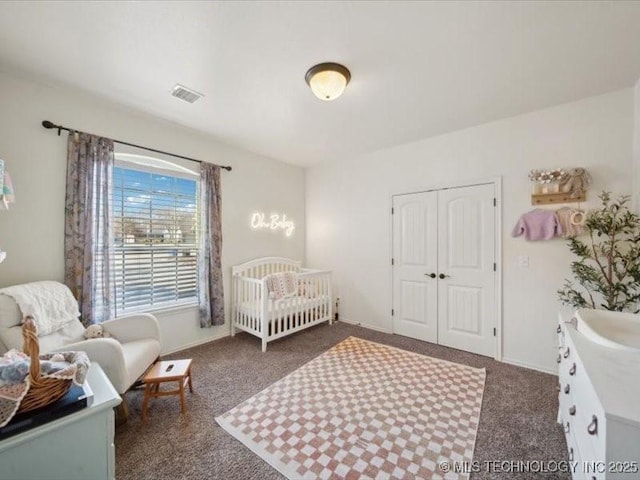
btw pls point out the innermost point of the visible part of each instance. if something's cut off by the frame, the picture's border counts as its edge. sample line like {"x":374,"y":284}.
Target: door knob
{"x":443,"y":276}
{"x":432,"y":275}
{"x":593,"y":426}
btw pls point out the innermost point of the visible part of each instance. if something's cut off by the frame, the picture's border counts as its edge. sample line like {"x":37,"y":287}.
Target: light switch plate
{"x":523,"y":261}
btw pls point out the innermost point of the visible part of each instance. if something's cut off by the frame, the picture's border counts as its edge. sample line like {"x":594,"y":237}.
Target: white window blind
{"x":156,"y":241}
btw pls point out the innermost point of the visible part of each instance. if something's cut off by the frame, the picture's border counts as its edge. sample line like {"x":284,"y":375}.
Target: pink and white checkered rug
{"x":364,"y":410}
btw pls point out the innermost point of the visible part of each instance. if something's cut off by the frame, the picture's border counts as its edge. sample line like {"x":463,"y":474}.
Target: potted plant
{"x":607,"y":271}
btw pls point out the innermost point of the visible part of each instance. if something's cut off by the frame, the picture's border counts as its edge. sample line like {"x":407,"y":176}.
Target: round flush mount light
{"x":328,"y":80}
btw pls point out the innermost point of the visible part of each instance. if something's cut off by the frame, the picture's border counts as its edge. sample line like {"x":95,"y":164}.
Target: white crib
{"x":254,"y":312}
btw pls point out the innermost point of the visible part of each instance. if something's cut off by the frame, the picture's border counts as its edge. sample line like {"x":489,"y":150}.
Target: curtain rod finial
{"x":47,"y":124}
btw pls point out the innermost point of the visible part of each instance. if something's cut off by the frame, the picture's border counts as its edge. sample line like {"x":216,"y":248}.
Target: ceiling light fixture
{"x":327,"y":80}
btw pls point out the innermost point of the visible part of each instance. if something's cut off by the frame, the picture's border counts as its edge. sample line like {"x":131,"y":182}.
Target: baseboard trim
{"x":197,"y":343}
{"x":365,"y":325}
{"x":538,"y":368}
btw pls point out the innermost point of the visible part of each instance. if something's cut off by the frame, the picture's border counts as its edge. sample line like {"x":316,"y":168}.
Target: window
{"x":155,"y":237}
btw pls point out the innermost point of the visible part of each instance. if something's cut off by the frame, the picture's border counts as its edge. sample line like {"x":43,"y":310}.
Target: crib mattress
{"x":285,"y":306}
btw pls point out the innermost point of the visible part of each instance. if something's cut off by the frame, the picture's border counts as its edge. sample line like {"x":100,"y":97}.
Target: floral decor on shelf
{"x":546,"y":181}
{"x":566,"y":180}
{"x":546,"y":176}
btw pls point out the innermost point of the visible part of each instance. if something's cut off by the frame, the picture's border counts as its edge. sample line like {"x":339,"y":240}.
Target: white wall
{"x":636,"y":147}
{"x":32,"y":230}
{"x":348,"y":209}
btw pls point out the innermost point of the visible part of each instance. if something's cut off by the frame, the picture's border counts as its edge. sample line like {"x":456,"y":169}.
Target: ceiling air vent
{"x":186,"y":94}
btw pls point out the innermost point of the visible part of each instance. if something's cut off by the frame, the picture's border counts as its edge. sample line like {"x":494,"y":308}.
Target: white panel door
{"x":415,"y":266}
{"x":467,"y":310}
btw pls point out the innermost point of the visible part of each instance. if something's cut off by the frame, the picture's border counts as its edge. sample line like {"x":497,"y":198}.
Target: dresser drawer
{"x":590,"y":419}
{"x":588,"y":415}
{"x":573,"y":452}
{"x":561,"y":335}
{"x":586,"y":466}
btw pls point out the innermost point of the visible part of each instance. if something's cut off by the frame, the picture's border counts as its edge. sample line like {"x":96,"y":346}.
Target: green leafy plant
{"x":608,"y":267}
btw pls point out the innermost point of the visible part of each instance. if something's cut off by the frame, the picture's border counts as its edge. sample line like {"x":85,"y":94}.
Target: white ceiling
{"x":418,"y":69}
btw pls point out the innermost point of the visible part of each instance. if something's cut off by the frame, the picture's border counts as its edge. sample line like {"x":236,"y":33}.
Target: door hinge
{"x":392,"y":211}
{"x":392,"y":312}
{"x":495,"y":202}
{"x":495,"y":268}
{"x":393,"y":261}
{"x":495,"y":333}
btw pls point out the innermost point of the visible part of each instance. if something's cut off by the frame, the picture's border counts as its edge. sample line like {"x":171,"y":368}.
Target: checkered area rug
{"x":364,"y":410}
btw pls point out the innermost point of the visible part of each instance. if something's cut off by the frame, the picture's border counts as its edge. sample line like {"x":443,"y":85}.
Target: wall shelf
{"x":550,"y":198}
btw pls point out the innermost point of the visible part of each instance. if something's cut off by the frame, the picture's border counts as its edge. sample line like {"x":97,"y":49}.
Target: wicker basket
{"x":43,"y":390}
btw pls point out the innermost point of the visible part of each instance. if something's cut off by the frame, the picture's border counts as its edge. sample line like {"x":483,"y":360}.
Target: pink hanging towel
{"x":538,"y":224}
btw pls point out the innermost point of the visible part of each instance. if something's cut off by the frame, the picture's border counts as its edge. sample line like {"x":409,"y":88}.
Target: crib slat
{"x":294,"y":312}
{"x":257,"y":299}
{"x":249,"y":308}
{"x":254,"y":306}
{"x":281,"y":320}
{"x":324,"y":296}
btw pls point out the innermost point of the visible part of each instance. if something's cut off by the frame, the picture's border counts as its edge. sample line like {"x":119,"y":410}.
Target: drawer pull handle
{"x":559,"y":329}
{"x":571,"y":454}
{"x":566,"y":389}
{"x":566,"y":353}
{"x":572,"y":410}
{"x":559,"y":359}
{"x":572,"y":370}
{"x":593,"y":426}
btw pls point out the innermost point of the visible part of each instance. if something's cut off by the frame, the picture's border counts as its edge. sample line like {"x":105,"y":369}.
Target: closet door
{"x":467,"y":304}
{"x":415,"y":259}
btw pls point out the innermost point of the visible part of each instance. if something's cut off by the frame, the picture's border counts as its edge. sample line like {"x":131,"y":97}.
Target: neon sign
{"x":276,"y":221}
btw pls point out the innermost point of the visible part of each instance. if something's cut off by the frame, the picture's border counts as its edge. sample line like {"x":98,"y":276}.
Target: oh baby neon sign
{"x":276,"y":221}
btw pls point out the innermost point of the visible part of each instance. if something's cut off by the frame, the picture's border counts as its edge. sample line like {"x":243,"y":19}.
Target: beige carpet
{"x":364,"y":410}
{"x":518,"y":420}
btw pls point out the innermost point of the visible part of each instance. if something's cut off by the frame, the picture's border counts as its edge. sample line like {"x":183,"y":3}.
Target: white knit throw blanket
{"x":51,"y":304}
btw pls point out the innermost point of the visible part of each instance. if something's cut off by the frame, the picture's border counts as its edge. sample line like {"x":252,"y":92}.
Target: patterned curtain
{"x":210,"y":292}
{"x":88,"y":236}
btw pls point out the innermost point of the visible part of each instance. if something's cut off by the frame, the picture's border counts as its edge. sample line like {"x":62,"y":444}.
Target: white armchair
{"x":133,"y":347}
{"x":124,"y":357}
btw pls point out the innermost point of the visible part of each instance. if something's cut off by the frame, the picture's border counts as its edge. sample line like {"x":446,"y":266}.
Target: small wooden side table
{"x":167,"y":371}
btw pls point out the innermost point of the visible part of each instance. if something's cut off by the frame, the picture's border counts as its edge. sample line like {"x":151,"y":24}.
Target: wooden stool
{"x":167,"y":371}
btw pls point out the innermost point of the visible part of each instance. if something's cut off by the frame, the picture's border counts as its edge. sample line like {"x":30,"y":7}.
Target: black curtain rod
{"x":50,"y":125}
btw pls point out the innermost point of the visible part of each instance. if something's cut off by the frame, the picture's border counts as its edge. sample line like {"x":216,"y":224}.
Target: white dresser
{"x":599,"y":406}
{"x":78,"y":446}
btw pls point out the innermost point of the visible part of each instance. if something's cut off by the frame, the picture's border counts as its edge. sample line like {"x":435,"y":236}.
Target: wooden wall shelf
{"x":550,"y":198}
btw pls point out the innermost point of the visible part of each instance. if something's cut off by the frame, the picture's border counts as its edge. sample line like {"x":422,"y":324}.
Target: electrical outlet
{"x":523,"y":261}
